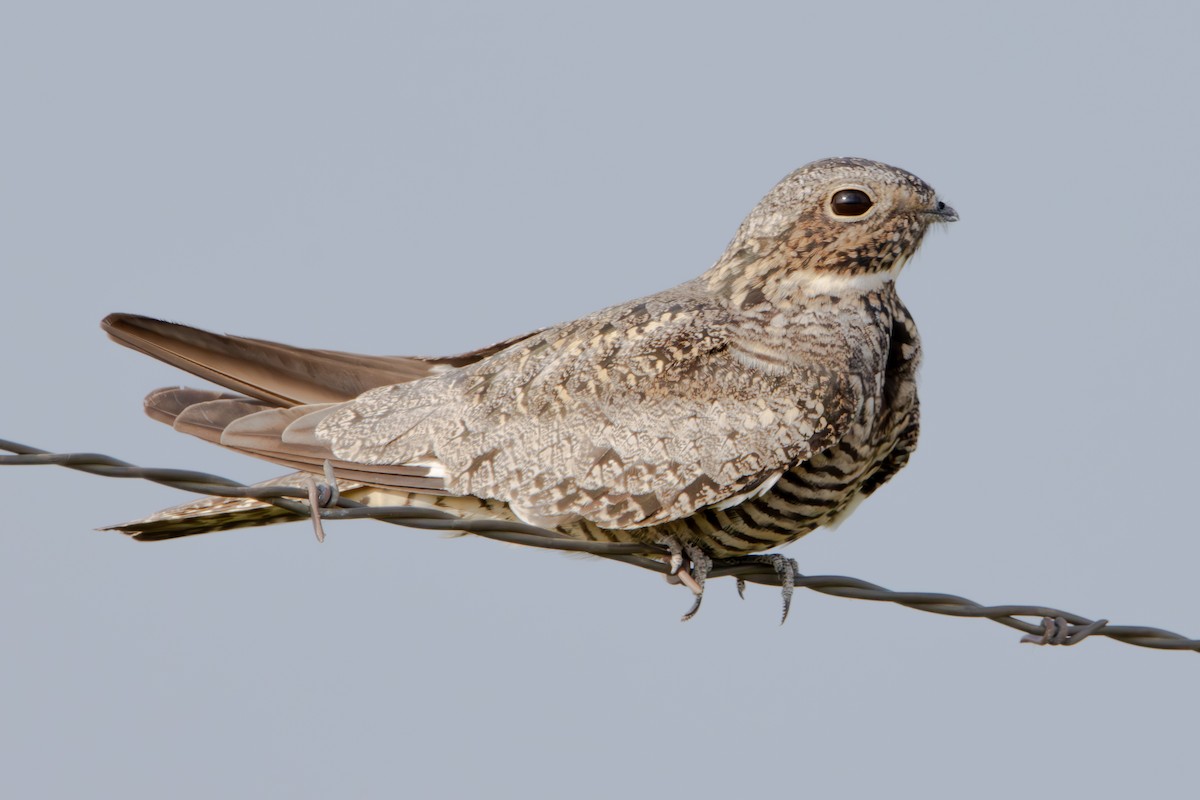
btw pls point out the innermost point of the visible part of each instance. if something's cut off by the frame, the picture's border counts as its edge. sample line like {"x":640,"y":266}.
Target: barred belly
{"x":817,"y":492}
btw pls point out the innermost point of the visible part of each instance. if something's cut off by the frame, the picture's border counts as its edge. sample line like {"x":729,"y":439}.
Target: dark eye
{"x":851,"y":203}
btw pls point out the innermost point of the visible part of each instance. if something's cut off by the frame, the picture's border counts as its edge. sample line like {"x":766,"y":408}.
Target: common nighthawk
{"x":721,"y":418}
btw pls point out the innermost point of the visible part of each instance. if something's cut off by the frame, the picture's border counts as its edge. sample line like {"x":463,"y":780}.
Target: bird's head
{"x":832,"y":226}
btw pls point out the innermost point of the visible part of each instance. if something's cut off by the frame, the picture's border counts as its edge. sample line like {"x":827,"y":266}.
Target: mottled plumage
{"x":730,"y":414}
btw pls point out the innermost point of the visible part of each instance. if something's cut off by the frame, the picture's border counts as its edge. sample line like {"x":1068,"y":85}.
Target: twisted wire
{"x":1053,"y":626}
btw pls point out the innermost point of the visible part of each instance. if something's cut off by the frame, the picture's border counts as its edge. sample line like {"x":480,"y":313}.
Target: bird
{"x":716,"y":420}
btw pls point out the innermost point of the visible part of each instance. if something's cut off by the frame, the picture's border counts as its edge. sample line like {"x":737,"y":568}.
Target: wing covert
{"x":629,"y":417}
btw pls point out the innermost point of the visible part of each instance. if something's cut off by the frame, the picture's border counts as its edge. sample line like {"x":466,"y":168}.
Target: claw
{"x":785,"y":567}
{"x":693,"y":577}
{"x":691,"y":612}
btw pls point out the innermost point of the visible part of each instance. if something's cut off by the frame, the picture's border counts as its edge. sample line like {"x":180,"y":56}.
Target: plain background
{"x":427,"y":178}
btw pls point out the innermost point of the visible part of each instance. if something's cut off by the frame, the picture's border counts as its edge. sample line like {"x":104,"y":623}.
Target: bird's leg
{"x":786,"y":568}
{"x":675,"y":561}
{"x":701,"y":565}
{"x":693,"y":577}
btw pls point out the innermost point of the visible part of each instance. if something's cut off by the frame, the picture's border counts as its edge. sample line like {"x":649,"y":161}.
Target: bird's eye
{"x":851,"y":203}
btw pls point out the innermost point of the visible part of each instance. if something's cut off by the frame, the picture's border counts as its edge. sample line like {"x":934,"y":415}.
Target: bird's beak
{"x":943,"y":213}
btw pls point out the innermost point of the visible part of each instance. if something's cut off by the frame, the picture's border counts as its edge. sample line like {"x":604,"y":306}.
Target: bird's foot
{"x":700,"y":564}
{"x":786,"y":568}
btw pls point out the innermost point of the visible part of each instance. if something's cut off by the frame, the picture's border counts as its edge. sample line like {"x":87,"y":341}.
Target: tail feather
{"x":212,"y":514}
{"x":279,"y":374}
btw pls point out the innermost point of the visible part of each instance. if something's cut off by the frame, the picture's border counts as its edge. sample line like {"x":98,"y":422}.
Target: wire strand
{"x":1052,"y":626}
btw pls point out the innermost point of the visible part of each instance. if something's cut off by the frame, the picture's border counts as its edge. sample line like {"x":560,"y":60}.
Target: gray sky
{"x":389,"y":177}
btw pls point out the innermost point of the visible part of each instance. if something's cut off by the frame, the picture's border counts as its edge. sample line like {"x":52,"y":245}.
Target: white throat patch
{"x":835,"y":283}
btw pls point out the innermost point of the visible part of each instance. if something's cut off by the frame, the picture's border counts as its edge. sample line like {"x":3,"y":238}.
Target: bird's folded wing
{"x":630,"y":417}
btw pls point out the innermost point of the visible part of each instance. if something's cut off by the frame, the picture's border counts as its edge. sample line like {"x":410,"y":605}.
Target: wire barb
{"x":1054,"y":627}
{"x":1058,"y":631}
{"x":322,"y":495}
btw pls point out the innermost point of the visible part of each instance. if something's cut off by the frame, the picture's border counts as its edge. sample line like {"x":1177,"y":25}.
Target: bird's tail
{"x":274,"y":373}
{"x":212,"y":514}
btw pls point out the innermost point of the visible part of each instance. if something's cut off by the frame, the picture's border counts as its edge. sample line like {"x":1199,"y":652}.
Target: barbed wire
{"x":322,"y":502}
